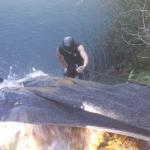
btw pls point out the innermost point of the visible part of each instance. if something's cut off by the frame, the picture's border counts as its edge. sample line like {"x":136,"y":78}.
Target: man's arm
{"x":61,"y":60}
{"x":84,"y":55}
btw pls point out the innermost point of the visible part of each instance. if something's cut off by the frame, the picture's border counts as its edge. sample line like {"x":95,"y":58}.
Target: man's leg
{"x":71,"y":73}
{"x":80,"y":76}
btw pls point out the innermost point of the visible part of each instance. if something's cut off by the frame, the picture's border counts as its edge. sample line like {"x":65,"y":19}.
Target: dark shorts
{"x":72,"y":73}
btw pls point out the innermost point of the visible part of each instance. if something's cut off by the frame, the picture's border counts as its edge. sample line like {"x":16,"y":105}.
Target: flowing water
{"x":18,"y":136}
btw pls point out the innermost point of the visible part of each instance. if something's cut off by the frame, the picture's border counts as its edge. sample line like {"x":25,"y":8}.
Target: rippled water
{"x":30,"y":31}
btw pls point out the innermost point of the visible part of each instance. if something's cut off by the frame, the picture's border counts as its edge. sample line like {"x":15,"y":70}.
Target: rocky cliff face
{"x":122,"y":108}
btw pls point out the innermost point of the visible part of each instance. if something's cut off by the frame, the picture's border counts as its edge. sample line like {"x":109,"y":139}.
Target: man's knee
{"x":69,"y":74}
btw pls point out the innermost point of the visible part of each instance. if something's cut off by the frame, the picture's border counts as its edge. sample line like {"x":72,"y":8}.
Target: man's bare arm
{"x":84,"y":55}
{"x":61,"y":60}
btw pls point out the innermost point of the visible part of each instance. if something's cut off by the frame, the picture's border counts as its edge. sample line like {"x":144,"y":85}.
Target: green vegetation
{"x":140,"y":76}
{"x":129,"y":38}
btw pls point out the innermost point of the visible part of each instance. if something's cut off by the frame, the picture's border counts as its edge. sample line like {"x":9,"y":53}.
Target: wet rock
{"x":122,"y":108}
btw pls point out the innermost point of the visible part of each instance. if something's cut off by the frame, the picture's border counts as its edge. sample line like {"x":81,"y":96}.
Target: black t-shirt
{"x":73,"y":58}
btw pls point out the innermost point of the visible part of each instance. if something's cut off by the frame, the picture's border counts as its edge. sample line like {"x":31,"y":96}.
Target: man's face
{"x":71,"y":50}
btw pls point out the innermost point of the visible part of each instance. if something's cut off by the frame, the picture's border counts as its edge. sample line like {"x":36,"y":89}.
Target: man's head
{"x":68,"y":44}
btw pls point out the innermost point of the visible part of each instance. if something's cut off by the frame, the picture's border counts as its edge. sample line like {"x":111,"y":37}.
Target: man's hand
{"x":65,"y":70}
{"x":80,"y":69}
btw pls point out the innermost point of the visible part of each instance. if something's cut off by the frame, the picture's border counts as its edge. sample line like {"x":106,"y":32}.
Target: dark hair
{"x":68,"y":44}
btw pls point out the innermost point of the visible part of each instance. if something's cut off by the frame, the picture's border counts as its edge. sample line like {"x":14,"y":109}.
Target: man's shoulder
{"x":60,"y":49}
{"x":77,"y":44}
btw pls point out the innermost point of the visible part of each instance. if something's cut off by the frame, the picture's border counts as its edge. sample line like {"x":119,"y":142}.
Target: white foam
{"x":35,"y":73}
{"x":13,"y":82}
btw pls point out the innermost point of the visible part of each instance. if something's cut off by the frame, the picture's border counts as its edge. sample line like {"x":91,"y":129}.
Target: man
{"x":73,"y":54}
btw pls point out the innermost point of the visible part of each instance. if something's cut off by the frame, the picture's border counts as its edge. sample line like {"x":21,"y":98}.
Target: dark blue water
{"x":30,"y":32}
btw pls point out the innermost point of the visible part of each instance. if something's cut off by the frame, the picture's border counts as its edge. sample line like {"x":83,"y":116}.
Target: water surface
{"x":30,"y":32}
